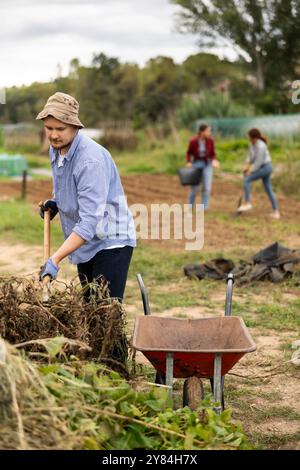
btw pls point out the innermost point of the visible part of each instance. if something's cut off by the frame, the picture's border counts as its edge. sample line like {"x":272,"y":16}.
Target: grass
{"x":154,"y":156}
{"x":158,"y":276}
{"x":285,"y":412}
{"x":38,"y":161}
{"x":19,"y":223}
{"x":274,"y":441}
{"x":279,"y":316}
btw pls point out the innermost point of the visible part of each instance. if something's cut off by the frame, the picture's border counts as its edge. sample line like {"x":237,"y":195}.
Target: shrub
{"x":210,"y":105}
{"x":1,"y":138}
{"x":119,"y":139}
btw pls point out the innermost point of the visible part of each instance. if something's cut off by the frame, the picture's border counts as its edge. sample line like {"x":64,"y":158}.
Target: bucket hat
{"x":63,"y":107}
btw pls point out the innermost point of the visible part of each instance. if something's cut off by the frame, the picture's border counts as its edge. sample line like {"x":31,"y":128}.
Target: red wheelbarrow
{"x":192,"y":349}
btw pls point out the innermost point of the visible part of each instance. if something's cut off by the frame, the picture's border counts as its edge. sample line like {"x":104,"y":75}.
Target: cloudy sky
{"x":37,"y":35}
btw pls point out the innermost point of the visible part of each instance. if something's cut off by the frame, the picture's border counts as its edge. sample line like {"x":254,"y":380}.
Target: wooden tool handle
{"x":46,"y":235}
{"x":46,"y":279}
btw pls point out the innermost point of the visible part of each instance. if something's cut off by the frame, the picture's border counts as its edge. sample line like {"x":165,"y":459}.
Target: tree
{"x":97,"y":90}
{"x":161,"y":88}
{"x":127,"y":89}
{"x":204,"y":71}
{"x":264,"y":33}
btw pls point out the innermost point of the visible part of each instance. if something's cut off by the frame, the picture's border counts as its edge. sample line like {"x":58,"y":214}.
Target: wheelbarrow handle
{"x":230,"y":282}
{"x":144,"y":294}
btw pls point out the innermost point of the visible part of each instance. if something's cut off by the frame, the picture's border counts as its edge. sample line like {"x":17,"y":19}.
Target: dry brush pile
{"x":99,"y":323}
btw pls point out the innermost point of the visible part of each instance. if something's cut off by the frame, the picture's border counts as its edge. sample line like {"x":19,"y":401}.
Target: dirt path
{"x":22,"y":261}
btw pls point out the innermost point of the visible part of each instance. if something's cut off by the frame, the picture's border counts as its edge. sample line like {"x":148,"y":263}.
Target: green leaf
{"x":189,"y":439}
{"x":91,"y":444}
{"x":87,"y":425}
{"x":54,"y":346}
{"x":229,"y":437}
{"x":237,"y":442}
{"x":226,"y":415}
{"x":49,"y":369}
{"x":203,"y":434}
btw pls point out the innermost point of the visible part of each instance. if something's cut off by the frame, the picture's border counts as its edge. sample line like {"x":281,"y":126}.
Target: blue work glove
{"x":49,"y":205}
{"x":49,"y":269}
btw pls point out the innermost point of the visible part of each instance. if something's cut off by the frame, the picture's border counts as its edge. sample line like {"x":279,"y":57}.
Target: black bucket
{"x":190,"y":176}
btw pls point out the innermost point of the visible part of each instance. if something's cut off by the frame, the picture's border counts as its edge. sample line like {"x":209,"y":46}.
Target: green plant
{"x":85,"y":406}
{"x":210,"y":105}
{"x":287,"y":178}
{"x":175,"y":161}
{"x":1,"y":138}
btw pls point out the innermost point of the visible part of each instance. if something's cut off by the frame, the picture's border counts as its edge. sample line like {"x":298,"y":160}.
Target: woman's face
{"x":252,"y":139}
{"x":206,"y":134}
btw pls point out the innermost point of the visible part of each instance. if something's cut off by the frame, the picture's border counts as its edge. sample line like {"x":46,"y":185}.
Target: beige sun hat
{"x":62,"y":107}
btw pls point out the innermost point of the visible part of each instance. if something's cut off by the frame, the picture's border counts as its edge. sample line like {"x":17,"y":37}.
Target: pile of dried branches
{"x":99,"y":323}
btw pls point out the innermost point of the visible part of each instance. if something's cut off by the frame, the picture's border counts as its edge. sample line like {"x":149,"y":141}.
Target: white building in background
{"x":95,"y":134}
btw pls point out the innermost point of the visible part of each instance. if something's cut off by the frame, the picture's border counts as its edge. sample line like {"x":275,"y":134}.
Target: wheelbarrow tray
{"x":193,"y":343}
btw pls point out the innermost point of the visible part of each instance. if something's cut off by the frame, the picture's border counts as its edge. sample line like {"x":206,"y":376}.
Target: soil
{"x":219,"y":234}
{"x":21,"y":260}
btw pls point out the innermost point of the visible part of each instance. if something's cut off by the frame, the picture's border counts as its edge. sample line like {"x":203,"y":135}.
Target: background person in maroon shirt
{"x":201,"y":154}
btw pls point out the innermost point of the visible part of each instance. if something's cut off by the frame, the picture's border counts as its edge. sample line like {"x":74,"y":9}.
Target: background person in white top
{"x":258,"y":167}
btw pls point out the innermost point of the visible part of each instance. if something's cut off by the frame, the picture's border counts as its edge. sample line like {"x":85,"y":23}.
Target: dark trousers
{"x":113,"y":265}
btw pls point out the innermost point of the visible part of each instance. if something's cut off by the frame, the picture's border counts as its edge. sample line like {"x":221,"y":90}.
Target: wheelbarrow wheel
{"x":193,"y":392}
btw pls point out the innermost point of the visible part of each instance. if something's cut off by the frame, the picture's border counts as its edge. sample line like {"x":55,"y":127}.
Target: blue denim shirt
{"x":90,"y":198}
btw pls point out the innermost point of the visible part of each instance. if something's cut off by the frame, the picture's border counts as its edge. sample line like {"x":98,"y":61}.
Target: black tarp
{"x":273,"y":263}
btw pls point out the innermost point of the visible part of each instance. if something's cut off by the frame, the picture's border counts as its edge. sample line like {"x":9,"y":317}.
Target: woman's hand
{"x":216,"y":163}
{"x":247,"y":170}
{"x":189,"y":165}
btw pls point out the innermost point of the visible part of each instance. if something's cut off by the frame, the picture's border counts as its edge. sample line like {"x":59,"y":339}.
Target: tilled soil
{"x":222,"y":230}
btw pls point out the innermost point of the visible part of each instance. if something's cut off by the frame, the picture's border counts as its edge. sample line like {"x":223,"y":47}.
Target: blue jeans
{"x":205,"y":183}
{"x":264,"y":173}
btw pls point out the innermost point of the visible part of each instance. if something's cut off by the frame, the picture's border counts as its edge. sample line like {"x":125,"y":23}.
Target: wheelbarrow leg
{"x":218,"y":382}
{"x":212,"y":390}
{"x":223,"y":399}
{"x":228,"y":305}
{"x":170,"y":373}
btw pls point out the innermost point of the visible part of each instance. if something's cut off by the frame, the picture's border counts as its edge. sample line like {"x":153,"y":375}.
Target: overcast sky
{"x":37,"y":35}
